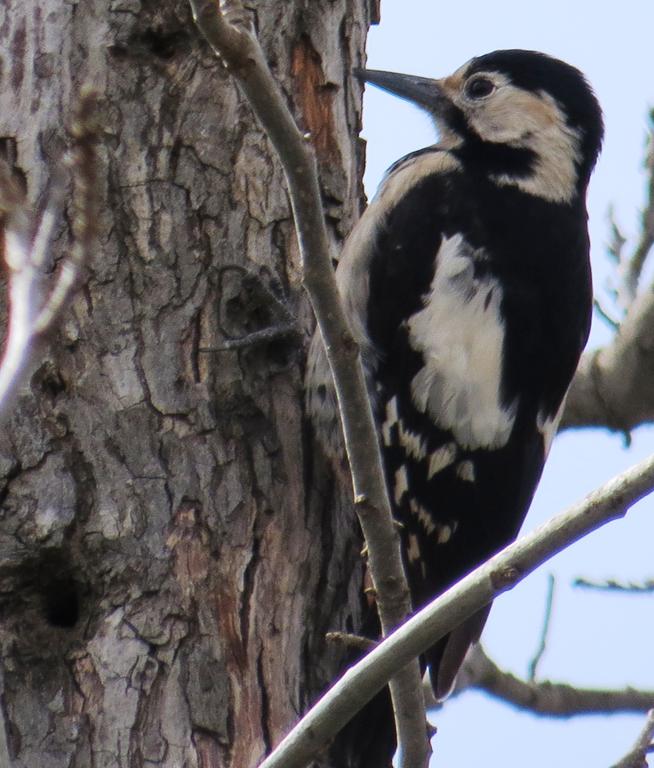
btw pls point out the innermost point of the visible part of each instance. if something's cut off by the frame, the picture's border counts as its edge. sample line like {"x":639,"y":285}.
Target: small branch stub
{"x":505,"y":578}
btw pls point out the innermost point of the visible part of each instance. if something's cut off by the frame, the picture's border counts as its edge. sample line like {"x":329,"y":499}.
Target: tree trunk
{"x":171,"y":553}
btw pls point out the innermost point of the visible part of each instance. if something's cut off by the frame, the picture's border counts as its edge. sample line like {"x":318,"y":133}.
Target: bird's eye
{"x":478,"y":87}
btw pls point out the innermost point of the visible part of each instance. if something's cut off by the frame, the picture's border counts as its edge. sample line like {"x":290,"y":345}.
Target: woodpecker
{"x":467,"y":285}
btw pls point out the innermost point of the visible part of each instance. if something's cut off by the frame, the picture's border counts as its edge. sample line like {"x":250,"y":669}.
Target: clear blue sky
{"x":595,"y":639}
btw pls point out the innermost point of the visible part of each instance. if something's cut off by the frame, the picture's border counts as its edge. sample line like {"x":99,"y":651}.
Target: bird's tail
{"x":368,"y":740}
{"x":446,"y":656}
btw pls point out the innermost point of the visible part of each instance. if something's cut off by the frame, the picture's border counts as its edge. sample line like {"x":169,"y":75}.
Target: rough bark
{"x":170,"y":553}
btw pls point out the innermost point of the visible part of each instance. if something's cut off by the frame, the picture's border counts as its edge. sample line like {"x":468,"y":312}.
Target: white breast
{"x":460,"y":334}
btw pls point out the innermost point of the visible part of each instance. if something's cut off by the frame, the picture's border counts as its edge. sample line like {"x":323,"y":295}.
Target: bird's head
{"x":521,"y":117}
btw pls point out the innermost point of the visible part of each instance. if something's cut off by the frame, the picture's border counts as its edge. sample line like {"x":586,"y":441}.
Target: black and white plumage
{"x":468,"y":287}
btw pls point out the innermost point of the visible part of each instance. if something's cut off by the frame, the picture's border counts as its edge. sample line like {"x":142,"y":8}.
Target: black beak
{"x":422,"y":91}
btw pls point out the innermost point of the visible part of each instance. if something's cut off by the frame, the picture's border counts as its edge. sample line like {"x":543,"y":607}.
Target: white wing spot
{"x":460,"y":333}
{"x":423,"y":516}
{"x":414,"y":555}
{"x":401,"y":484}
{"x":390,"y":420}
{"x":465,"y":470}
{"x":413,"y":550}
{"x":444,"y":534}
{"x":441,"y":458}
{"x":411,"y":442}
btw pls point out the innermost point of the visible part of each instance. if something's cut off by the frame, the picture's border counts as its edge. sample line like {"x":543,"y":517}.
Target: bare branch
{"x":637,"y":262}
{"x":614,"y":586}
{"x":502,"y":572}
{"x":605,"y":315}
{"x":226,"y":29}
{"x":637,"y":758}
{"x":617,"y":241}
{"x":546,"y":698}
{"x":542,"y":646}
{"x":26,"y":246}
{"x":613,"y":385}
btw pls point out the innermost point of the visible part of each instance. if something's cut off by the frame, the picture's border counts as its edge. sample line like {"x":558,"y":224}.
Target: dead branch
{"x":502,"y":572}
{"x":34,"y":308}
{"x":228,"y":32}
{"x":546,"y":698}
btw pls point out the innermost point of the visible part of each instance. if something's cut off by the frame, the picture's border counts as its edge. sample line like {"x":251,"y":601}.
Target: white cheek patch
{"x":533,"y":121}
{"x":460,"y":333}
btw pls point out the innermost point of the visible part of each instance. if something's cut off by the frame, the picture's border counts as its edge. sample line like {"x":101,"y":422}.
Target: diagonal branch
{"x":613,"y":385}
{"x":546,"y":698}
{"x":228,"y":33}
{"x":637,"y":757}
{"x":502,"y":572}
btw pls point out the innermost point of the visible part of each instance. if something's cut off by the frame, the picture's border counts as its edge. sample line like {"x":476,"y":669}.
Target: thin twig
{"x":542,"y":646}
{"x":546,"y":698}
{"x":610,"y":585}
{"x":347,"y":640}
{"x":239,"y":49}
{"x":255,"y":338}
{"x":637,"y":757}
{"x":635,"y":266}
{"x":605,"y":315}
{"x":618,"y":240}
{"x":502,"y":572}
{"x":32,"y":310}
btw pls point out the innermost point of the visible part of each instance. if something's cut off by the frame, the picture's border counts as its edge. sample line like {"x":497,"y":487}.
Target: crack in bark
{"x":265,"y":704}
{"x":249,"y":583}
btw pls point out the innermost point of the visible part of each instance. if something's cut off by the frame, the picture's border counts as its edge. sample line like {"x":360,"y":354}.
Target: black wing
{"x":476,"y":343}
